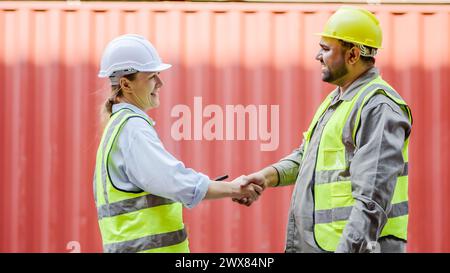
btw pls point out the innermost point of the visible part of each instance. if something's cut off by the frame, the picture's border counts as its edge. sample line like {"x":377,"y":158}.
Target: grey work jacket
{"x":379,"y":140}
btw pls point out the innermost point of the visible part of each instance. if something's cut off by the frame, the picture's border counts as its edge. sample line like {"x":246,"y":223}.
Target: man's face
{"x":146,"y":88}
{"x":332,"y":57}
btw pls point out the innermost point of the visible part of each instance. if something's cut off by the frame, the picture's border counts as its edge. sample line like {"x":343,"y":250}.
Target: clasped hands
{"x":248,"y":188}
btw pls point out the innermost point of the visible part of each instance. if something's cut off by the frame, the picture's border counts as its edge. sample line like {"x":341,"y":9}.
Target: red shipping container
{"x":251,"y":54}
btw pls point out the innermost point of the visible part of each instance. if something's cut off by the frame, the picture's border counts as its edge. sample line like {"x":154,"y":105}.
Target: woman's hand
{"x":246,"y":188}
{"x":239,"y":188}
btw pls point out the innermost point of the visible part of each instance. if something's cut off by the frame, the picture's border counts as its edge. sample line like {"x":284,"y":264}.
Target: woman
{"x":139,"y":187}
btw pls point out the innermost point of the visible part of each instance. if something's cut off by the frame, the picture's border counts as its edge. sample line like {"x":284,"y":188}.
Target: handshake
{"x":245,"y":189}
{"x":248,"y":188}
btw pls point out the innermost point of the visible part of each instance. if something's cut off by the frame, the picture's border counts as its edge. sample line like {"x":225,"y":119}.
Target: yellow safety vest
{"x":333,"y":200}
{"x":133,"y":221}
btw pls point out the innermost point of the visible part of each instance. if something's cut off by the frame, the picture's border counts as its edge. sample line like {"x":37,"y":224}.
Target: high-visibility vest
{"x":333,"y":200}
{"x":133,"y":221}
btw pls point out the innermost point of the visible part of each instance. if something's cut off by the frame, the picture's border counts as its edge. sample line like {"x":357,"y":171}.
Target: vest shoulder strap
{"x":323,"y":106}
{"x":118,"y":121}
{"x":379,"y":86}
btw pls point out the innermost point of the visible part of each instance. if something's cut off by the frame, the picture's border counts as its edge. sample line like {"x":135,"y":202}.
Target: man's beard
{"x":332,"y":76}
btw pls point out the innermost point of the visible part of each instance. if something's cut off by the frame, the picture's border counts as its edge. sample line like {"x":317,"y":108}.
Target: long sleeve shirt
{"x":374,"y":167}
{"x":140,"y":162}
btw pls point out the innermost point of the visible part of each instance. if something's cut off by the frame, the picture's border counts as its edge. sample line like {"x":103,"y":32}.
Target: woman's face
{"x":145,"y":88}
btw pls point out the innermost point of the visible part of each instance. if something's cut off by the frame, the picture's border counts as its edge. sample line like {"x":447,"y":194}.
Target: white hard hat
{"x":128,"y":54}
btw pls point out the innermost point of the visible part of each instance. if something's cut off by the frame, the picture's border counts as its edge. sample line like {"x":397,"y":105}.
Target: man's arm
{"x":287,"y":168}
{"x":281,"y":173}
{"x":374,"y":170}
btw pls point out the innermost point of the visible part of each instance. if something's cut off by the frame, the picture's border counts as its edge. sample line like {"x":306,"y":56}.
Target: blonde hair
{"x":116,"y":94}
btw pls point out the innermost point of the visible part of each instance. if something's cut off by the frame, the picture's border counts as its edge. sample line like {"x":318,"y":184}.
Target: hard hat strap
{"x":367,"y":52}
{"x":116,"y":75}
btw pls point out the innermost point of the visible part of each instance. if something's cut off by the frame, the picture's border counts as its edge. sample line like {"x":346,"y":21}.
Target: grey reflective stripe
{"x":111,"y":128}
{"x":148,"y":242}
{"x":131,"y":205}
{"x":343,"y":213}
{"x":332,"y":215}
{"x":398,"y":209}
{"x":323,"y":177}
{"x":95,"y":185}
{"x":405,"y":170}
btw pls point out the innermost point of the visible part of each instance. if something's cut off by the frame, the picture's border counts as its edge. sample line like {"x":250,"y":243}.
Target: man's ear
{"x":353,"y":55}
{"x":125,"y":85}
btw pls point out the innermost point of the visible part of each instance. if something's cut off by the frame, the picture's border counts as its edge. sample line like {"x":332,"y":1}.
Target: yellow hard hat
{"x":355,"y":25}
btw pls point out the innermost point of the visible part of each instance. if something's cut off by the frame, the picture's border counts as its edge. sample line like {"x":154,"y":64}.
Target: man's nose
{"x":319,"y":56}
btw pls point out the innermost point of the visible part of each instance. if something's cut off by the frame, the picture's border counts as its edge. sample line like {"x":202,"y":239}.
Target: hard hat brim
{"x":347,"y":40}
{"x":159,"y":68}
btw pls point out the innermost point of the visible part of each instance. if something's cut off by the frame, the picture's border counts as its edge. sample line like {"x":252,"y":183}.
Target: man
{"x":351,"y":171}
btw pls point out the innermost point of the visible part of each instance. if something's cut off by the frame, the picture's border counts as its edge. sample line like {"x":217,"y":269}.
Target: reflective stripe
{"x":343,"y":213}
{"x":130,"y":205}
{"x":399,"y":209}
{"x":322,"y":177}
{"x":405,"y":169}
{"x":111,"y":128}
{"x":329,"y":176}
{"x":148,"y":242}
{"x":95,"y":187}
{"x":332,"y":215}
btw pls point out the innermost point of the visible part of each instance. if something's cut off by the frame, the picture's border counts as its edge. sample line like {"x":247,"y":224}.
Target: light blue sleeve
{"x":152,"y":168}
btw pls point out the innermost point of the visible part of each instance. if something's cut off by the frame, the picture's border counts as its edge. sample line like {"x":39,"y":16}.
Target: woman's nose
{"x":159,"y":82}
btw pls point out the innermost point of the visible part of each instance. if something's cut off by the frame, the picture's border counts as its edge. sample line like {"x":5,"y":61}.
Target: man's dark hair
{"x":367,"y":60}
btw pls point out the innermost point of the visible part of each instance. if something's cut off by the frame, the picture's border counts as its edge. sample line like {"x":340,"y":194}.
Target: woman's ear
{"x":125,"y":85}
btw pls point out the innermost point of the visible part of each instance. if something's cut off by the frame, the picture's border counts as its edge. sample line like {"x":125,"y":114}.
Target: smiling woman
{"x":142,"y":90}
{"x":133,"y":72}
{"x":139,"y":187}
{"x":146,"y":92}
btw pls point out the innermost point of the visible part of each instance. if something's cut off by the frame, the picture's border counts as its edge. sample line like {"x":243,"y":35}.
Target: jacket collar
{"x":353,"y":89}
{"x":122,"y":105}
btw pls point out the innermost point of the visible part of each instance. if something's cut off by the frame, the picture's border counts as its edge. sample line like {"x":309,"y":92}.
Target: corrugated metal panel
{"x":225,"y":54}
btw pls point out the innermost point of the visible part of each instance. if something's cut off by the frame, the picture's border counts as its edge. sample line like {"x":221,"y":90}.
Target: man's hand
{"x":267,"y":177}
{"x":238,"y":188}
{"x":243,"y":188}
{"x":255,"y":179}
